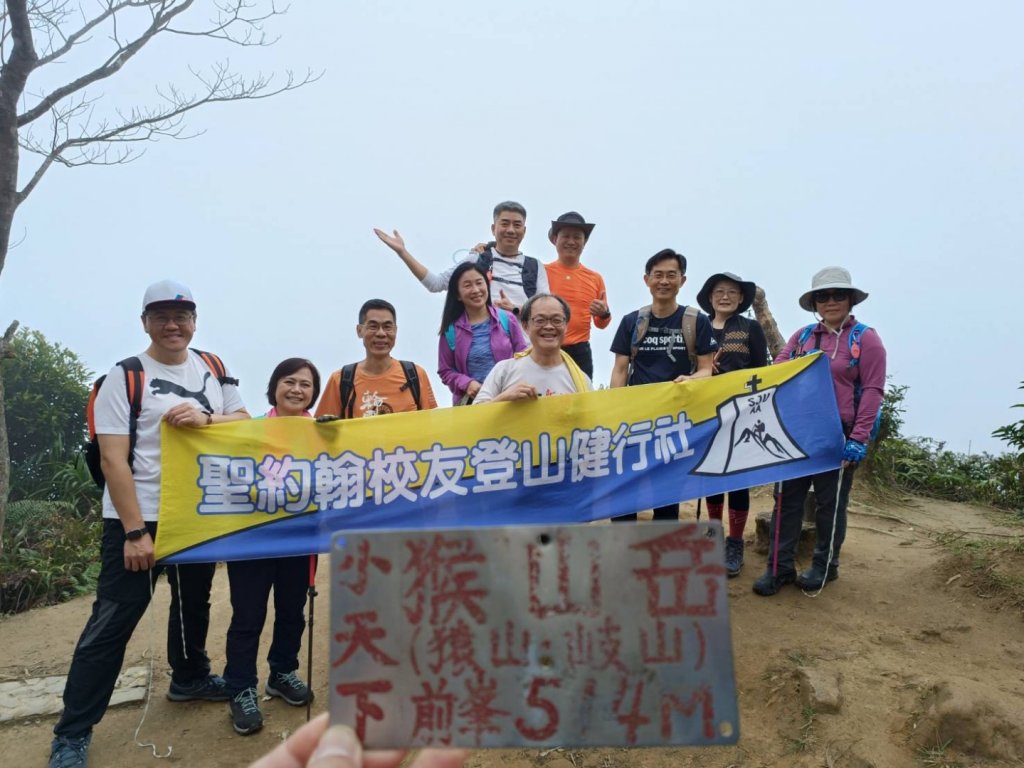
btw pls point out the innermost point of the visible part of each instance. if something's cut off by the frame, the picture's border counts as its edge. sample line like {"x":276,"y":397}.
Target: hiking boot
{"x":70,"y":752}
{"x":289,"y":687}
{"x":767,"y":584}
{"x":246,"y":717}
{"x":814,"y":579}
{"x":209,"y":688}
{"x":733,"y":556}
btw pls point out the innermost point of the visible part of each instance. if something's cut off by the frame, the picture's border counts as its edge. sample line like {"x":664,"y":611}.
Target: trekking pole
{"x":309,"y":635}
{"x":699,"y":500}
{"x":778,"y":525}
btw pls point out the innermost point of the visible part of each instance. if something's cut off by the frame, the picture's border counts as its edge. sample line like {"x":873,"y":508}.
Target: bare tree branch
{"x":69,"y":41}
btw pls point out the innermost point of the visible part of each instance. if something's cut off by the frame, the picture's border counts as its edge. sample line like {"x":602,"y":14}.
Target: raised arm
{"x":431,"y":281}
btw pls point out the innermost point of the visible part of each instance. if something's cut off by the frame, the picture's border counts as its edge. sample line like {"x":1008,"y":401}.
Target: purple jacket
{"x":870,"y":370}
{"x":451,"y":363}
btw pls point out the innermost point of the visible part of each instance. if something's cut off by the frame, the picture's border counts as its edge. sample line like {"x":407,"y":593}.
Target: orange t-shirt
{"x":578,"y":286}
{"x":387,"y":392}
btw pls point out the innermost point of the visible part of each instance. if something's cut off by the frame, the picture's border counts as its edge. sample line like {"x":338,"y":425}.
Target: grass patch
{"x":934,"y":756}
{"x":994,"y":568}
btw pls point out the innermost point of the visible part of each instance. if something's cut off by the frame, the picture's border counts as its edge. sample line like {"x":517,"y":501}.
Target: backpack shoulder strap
{"x":412,"y":378}
{"x":485,"y":259}
{"x":216,"y":366}
{"x":643,"y":321}
{"x":805,"y":334}
{"x":449,"y":335}
{"x":854,"y":341}
{"x":530,"y":268}
{"x":348,"y":389}
{"x":690,"y":335}
{"x":134,"y":387}
{"x":503,"y":319}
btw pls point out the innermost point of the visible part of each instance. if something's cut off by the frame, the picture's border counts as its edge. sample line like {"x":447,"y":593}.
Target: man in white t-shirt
{"x":180,"y":387}
{"x":543,"y":369}
{"x":515,"y":277}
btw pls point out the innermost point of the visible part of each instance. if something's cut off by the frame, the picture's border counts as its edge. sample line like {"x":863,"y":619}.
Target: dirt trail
{"x":918,"y":655}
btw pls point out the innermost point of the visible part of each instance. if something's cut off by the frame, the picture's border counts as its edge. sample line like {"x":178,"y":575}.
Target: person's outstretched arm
{"x":433,"y":282}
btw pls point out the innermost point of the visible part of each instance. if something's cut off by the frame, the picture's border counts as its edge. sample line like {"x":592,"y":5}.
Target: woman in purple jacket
{"x":474,"y":334}
{"x":857,"y":358}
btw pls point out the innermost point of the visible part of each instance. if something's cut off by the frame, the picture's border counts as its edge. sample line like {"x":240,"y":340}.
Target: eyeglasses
{"x":659,"y":275}
{"x":373,"y":326}
{"x":166,"y":318}
{"x":820,"y":297}
{"x":556,"y":321}
{"x":722,"y":293}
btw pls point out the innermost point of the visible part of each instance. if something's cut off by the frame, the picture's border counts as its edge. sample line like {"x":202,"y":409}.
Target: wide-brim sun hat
{"x":829,"y":278}
{"x":570,"y":219}
{"x":704,"y":296}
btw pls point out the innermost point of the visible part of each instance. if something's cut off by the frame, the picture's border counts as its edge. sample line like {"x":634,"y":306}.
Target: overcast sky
{"x":767,"y":139}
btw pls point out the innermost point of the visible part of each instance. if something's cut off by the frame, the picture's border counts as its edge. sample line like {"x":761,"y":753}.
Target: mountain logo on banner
{"x":750,"y":435}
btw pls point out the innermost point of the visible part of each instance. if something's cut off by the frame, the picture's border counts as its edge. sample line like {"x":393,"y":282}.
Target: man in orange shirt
{"x":582,"y":288}
{"x":377,"y":384}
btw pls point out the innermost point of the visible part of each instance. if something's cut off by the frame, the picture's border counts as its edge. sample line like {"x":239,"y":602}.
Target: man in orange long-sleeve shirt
{"x":582,"y":288}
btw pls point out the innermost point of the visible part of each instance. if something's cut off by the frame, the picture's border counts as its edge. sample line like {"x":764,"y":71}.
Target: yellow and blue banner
{"x":277,"y":487}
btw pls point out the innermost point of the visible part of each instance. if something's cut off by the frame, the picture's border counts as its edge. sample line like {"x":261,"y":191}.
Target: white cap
{"x":168,"y":291}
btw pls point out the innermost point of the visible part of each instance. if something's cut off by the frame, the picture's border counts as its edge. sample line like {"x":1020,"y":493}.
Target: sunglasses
{"x":820,"y":297}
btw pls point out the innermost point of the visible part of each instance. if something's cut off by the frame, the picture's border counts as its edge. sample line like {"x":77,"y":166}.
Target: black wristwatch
{"x":137,"y":534}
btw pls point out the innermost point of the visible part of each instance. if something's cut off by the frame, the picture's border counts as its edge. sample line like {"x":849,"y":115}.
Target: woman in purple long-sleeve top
{"x":474,"y":333}
{"x":857,"y":359}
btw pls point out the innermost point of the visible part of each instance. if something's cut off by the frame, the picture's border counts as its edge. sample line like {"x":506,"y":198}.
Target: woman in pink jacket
{"x":474,"y":333}
{"x":857,"y":358}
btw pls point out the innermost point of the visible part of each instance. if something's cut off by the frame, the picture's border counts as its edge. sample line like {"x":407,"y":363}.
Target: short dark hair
{"x":287,"y":368}
{"x":376,"y":304}
{"x":509,"y":205}
{"x":665,"y":253}
{"x":527,"y":308}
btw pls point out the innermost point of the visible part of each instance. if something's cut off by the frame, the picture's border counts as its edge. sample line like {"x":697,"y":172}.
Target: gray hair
{"x":527,"y":308}
{"x":509,"y":205}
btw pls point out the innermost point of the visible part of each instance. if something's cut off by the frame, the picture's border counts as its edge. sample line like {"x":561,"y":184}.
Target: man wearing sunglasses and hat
{"x":581,"y":287}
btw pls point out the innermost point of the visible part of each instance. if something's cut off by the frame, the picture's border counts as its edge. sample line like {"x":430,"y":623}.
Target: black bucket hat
{"x":570,"y":219}
{"x":704,"y":297}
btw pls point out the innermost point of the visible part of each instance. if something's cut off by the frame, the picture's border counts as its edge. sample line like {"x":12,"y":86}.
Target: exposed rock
{"x":42,"y":695}
{"x":819,"y":689}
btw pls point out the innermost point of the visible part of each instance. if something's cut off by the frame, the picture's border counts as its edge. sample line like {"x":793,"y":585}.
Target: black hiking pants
{"x":122,"y":597}
{"x":787,"y":533}
{"x":251,"y":582}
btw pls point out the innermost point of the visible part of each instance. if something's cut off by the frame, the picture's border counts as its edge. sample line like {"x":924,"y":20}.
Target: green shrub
{"x":50,"y":555}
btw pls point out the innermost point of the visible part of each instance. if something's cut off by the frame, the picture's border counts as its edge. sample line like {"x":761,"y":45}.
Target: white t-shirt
{"x":507,"y":373}
{"x":166,"y":386}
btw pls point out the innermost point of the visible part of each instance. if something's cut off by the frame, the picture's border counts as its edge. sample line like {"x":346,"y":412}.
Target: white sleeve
{"x":437,"y":282}
{"x":111,"y":407}
{"x":493,"y":385}
{"x":542,"y":279}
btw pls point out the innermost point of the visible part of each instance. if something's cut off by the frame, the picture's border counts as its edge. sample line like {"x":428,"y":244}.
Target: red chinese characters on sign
{"x":679,"y":582}
{"x":443,"y":571}
{"x":488,"y":648}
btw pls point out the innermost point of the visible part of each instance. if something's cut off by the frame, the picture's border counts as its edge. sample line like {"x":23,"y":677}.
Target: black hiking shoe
{"x":733,"y":556}
{"x":70,"y":752}
{"x":209,"y":688}
{"x":246,"y":717}
{"x":814,"y":579}
{"x":767,"y":584}
{"x":289,"y":687}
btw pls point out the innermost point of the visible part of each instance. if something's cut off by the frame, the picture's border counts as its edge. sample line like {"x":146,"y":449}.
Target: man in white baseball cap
{"x":168,"y":382}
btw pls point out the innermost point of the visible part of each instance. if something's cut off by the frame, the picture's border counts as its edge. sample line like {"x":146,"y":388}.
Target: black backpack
{"x":530,"y":266}
{"x":348,"y":386}
{"x":134,"y":385}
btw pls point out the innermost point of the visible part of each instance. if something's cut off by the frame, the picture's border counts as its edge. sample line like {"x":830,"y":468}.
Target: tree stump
{"x":805,"y":545}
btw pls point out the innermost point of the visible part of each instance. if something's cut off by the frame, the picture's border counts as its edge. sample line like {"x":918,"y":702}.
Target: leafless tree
{"x":70,"y":124}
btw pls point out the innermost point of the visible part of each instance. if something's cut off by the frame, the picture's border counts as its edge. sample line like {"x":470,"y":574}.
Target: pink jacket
{"x":870,"y":371}
{"x":451,"y":363}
